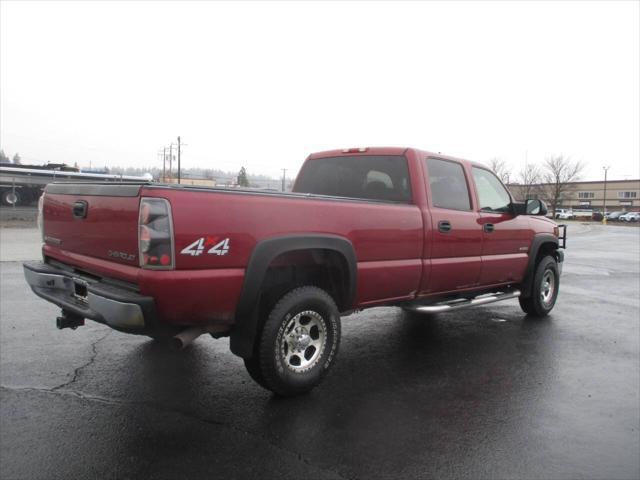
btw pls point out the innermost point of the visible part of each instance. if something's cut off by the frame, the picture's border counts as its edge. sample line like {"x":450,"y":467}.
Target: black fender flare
{"x":539,"y":240}
{"x":246,"y":317}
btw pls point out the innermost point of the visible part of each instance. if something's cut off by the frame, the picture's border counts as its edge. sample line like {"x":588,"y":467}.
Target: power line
{"x":164,"y":160}
{"x":171,"y":146}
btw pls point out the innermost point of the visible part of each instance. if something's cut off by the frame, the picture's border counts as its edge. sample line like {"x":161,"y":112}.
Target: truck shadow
{"x":415,"y":386}
{"x":403,"y":385}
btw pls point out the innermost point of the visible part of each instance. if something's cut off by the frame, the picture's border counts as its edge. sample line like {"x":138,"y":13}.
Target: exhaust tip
{"x":176,"y":344}
{"x":185,"y":338}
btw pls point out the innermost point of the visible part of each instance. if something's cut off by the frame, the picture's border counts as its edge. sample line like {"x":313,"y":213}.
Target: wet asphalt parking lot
{"x":484,"y":393}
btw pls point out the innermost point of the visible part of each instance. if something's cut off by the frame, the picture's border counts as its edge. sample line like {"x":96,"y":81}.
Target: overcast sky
{"x":264,"y":84}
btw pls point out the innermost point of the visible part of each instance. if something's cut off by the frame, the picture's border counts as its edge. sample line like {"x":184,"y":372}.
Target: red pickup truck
{"x":275,"y":271}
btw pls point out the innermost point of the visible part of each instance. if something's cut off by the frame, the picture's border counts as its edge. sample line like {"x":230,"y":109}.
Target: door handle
{"x":488,"y":227}
{"x":444,"y":226}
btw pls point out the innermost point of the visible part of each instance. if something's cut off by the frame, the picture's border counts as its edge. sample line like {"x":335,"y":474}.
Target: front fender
{"x":537,"y":244}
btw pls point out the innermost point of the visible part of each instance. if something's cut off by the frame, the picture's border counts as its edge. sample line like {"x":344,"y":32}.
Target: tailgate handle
{"x":80,"y":209}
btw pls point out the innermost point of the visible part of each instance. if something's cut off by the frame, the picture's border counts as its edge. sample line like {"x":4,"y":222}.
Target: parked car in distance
{"x":613,"y":216}
{"x":564,"y":214}
{"x":582,"y":214}
{"x":630,"y":217}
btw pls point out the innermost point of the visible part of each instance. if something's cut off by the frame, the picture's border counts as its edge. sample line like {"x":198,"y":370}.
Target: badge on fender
{"x":198,"y":247}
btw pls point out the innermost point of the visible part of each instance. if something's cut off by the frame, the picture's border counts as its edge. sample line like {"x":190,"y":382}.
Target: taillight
{"x":40,"y":218}
{"x":155,"y":234}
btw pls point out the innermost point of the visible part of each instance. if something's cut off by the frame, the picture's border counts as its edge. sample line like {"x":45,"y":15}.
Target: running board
{"x":457,"y":304}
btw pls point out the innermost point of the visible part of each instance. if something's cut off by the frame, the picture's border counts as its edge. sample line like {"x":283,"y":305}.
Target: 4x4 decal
{"x":199,"y":246}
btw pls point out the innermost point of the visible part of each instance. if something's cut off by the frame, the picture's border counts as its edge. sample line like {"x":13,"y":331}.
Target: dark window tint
{"x":370,"y":177}
{"x":448,"y":185}
{"x":491,"y":193}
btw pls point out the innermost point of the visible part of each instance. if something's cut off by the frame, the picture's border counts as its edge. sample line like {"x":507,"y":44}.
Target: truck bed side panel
{"x":387,"y":237}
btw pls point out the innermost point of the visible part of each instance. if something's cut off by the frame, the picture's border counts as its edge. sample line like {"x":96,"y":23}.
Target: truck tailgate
{"x":95,"y":220}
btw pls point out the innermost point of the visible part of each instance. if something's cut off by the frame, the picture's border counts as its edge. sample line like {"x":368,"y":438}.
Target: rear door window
{"x":448,"y":185}
{"x":371,"y":177}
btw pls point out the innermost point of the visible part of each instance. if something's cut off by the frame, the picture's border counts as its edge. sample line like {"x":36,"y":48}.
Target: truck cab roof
{"x":354,"y":151}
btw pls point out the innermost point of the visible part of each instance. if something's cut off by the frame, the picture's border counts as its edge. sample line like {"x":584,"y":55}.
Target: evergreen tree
{"x":243,"y":181}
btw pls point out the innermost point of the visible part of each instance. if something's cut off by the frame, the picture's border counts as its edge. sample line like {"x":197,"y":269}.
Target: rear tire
{"x":545,"y":288}
{"x":298,"y":342}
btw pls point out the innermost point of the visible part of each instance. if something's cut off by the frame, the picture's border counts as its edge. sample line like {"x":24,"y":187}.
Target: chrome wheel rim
{"x":303,"y":341}
{"x":548,"y":287}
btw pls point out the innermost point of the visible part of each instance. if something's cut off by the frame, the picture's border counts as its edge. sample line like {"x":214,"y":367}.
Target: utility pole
{"x":164,"y":165}
{"x":284,"y":177}
{"x":178,"y":158}
{"x":604,"y":201}
{"x":171,"y":160}
{"x":164,"y":157}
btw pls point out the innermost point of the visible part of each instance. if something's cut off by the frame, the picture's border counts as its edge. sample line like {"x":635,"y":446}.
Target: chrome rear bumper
{"x":115,"y":306}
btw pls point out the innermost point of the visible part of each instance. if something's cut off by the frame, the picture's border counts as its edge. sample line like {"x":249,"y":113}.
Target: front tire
{"x":298,"y":342}
{"x":545,"y":288}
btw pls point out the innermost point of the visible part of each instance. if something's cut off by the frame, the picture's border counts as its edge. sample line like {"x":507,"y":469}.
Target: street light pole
{"x":604,"y":201}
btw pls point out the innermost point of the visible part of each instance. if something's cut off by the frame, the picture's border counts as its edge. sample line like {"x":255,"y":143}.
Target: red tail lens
{"x":155,"y":234}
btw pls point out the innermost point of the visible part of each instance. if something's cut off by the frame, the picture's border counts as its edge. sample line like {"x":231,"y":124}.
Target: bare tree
{"x":500,"y":168}
{"x":529,"y":179}
{"x":559,"y":171}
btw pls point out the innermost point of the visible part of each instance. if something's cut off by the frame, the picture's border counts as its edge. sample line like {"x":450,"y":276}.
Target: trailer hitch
{"x":69,"y":320}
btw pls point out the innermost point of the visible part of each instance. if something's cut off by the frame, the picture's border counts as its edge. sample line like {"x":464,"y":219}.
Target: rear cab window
{"x":448,"y":185}
{"x":368,"y":177}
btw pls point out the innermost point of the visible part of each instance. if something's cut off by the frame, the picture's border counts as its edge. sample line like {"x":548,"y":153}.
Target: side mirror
{"x":535,"y":207}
